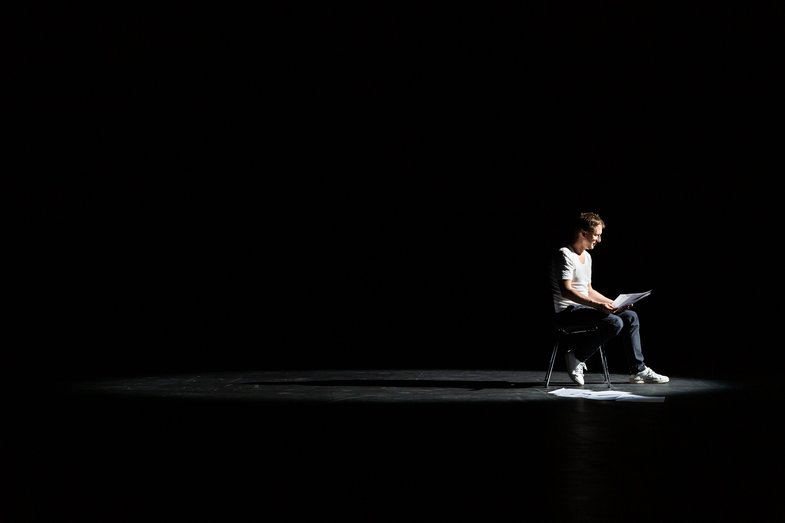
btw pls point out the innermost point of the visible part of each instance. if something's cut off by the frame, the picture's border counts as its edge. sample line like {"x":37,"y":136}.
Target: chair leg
{"x":605,"y":368}
{"x":550,"y":365}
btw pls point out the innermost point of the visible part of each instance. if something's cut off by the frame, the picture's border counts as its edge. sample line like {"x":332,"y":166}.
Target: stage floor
{"x":391,"y":445}
{"x":395,"y":386}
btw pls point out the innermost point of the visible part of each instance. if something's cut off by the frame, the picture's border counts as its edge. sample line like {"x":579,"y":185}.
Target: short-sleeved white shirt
{"x":567,"y":266}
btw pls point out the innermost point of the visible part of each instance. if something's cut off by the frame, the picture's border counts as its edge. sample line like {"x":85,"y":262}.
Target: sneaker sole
{"x":644,"y":381}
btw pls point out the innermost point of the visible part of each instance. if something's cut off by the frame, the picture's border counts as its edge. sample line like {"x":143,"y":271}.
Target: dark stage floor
{"x":392,"y":445}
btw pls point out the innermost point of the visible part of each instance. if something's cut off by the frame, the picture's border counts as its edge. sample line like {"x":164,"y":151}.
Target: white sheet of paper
{"x":628,"y":299}
{"x":616,"y":395}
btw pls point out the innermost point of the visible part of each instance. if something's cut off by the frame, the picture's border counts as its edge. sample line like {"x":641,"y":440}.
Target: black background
{"x":380,"y":186}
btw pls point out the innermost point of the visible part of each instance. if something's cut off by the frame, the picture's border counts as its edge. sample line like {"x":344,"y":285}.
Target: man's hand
{"x":621,"y":309}
{"x":607,"y":307}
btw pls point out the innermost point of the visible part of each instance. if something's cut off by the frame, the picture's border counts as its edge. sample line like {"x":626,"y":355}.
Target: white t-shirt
{"x":567,"y":266}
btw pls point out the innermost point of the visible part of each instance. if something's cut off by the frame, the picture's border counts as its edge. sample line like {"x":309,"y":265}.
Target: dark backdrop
{"x":381,"y":186}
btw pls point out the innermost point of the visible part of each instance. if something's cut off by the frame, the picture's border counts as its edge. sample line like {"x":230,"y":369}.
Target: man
{"x":576,"y":302}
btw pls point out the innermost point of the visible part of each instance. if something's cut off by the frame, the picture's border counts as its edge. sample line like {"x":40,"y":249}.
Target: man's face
{"x":593,"y":238}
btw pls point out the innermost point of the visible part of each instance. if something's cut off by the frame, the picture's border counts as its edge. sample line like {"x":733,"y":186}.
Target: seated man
{"x":576,"y":302}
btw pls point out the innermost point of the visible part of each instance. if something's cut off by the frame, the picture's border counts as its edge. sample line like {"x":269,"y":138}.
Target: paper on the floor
{"x":616,"y":395}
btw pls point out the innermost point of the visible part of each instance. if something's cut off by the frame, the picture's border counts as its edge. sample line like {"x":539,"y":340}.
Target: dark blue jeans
{"x":625,"y":325}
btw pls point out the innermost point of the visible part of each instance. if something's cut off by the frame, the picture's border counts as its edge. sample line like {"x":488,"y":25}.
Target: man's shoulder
{"x":562,"y":255}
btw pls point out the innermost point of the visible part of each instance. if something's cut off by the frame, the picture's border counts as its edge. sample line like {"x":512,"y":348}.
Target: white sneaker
{"x":575,"y":368}
{"x":648,"y":376}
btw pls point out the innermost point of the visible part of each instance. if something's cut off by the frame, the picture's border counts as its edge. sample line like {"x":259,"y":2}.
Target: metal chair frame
{"x":564,"y":332}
